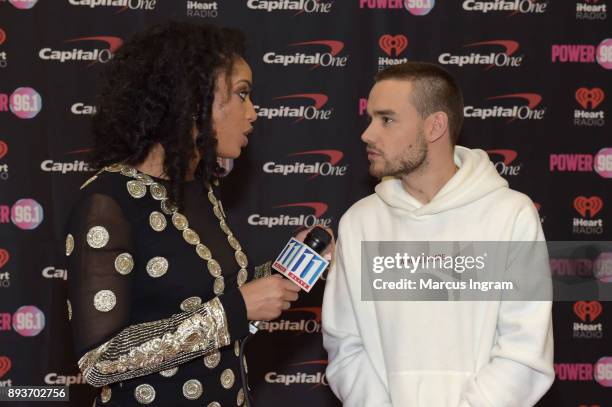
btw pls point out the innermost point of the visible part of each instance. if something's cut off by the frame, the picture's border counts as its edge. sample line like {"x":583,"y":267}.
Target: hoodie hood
{"x":476,"y":178}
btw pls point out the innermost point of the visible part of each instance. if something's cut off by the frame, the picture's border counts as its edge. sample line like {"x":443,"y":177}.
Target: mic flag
{"x":300,"y":264}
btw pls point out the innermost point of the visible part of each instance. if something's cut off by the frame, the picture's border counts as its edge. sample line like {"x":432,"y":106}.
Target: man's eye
{"x":387,"y":120}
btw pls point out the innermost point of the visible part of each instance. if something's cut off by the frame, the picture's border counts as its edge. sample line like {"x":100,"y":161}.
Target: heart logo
{"x":3,"y":149}
{"x":389,"y":43}
{"x":584,"y":96}
{"x":5,"y":365}
{"x":583,"y":204}
{"x":591,"y":309}
{"x":4,"y":257}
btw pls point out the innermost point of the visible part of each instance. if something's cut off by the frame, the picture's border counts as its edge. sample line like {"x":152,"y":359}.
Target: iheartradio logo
{"x":2,"y":36}
{"x":3,"y":149}
{"x":5,"y":365}
{"x":592,"y":205}
{"x":593,"y":96}
{"x":390,"y":43}
{"x":584,"y":309}
{"x":4,"y":257}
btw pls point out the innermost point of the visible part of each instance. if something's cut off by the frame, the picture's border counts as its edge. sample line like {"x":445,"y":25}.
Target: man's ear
{"x":436,"y":126}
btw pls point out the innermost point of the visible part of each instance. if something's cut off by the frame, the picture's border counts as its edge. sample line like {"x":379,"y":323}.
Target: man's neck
{"x":425,"y":182}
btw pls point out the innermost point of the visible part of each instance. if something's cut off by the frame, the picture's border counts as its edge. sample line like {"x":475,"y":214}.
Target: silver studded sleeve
{"x":101,"y":261}
{"x":146,"y":348}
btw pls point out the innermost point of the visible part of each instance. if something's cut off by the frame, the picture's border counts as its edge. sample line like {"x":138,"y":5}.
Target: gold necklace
{"x":143,"y":183}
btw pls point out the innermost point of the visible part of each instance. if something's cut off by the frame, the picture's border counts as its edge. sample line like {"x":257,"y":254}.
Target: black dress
{"x":155,"y":309}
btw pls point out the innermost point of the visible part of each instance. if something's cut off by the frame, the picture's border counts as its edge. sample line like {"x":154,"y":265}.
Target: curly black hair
{"x":157,"y":83}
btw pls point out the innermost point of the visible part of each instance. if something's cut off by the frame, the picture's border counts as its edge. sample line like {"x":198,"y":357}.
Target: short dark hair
{"x":434,"y":90}
{"x":158,"y":82}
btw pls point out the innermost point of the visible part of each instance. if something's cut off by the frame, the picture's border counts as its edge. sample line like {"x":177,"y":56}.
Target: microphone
{"x":318,"y":239}
{"x":302,"y":263}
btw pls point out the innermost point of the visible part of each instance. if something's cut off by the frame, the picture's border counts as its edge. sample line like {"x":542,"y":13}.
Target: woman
{"x":160,"y":292}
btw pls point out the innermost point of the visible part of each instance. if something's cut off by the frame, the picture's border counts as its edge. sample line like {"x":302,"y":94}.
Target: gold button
{"x":105,"y":300}
{"x":211,"y":361}
{"x":157,"y":266}
{"x":69,"y":244}
{"x":234,"y":242}
{"x":192,"y":389}
{"x":124,"y":264}
{"x":191,"y":236}
{"x":203,"y":251}
{"x":158,"y":191}
{"x":227,"y":379}
{"x":213,"y":268}
{"x":242,"y":277}
{"x":105,"y":394}
{"x":191,"y":303}
{"x":168,"y":207}
{"x":169,"y":372}
{"x":137,"y":189}
{"x":128,"y":171}
{"x":144,"y":394}
{"x":97,"y":237}
{"x":158,"y":221}
{"x":179,"y":221}
{"x":240,"y":397}
{"x":219,"y":285}
{"x":144,"y":178}
{"x":241,"y":258}
{"x":114,"y":167}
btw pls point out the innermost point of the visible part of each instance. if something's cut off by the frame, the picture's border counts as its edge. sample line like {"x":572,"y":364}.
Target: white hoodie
{"x":434,"y":353}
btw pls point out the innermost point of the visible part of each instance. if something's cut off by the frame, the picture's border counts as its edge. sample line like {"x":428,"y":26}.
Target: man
{"x":431,"y":353}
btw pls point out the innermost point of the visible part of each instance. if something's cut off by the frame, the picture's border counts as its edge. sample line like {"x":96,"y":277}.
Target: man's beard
{"x":404,"y":163}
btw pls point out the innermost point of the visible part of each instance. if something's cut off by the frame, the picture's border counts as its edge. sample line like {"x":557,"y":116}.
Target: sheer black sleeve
{"x":100,"y":248}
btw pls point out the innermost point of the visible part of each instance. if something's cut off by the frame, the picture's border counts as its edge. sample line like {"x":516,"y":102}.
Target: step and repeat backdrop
{"x":537,"y":82}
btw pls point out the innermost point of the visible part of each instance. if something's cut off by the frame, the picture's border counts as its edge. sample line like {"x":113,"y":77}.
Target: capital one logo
{"x":327,"y":57}
{"x":300,"y":6}
{"x":390,"y":44}
{"x":323,"y":168}
{"x":315,"y":218}
{"x":102,"y":55}
{"x":65,"y":167}
{"x":124,"y":4}
{"x":594,"y":97}
{"x":313,"y":111}
{"x":309,"y":324}
{"x":528,"y":111}
{"x":584,"y":205}
{"x":318,"y":379}
{"x":515,"y":6}
{"x":504,"y":58}
{"x":505,"y":167}
{"x":590,"y":310}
